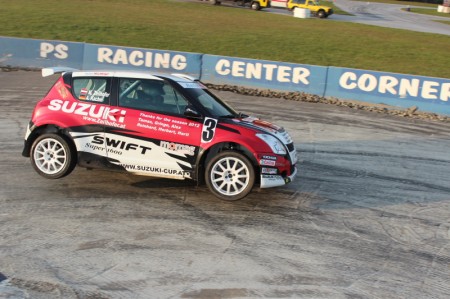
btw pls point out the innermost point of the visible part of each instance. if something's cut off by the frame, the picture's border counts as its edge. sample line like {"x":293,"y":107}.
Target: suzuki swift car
{"x":168,"y":126}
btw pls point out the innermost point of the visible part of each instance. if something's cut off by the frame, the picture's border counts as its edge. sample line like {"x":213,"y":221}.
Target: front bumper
{"x":269,"y":181}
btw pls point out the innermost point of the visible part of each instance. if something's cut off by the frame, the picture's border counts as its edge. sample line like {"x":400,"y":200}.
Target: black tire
{"x":321,"y":14}
{"x":52,"y":156}
{"x":255,"y":6}
{"x":230,"y":175}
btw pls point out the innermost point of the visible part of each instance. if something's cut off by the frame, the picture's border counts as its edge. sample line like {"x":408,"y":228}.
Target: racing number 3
{"x":209,"y":128}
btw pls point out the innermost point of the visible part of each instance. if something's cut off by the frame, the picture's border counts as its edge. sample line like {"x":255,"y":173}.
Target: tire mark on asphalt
{"x":358,"y":173}
{"x":368,"y":154}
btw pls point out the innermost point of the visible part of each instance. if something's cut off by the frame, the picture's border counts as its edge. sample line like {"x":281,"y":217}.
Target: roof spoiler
{"x":183,"y":76}
{"x":48,"y":71}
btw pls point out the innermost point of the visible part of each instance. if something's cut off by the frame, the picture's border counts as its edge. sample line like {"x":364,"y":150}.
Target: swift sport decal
{"x":137,"y":155}
{"x":120,"y":144}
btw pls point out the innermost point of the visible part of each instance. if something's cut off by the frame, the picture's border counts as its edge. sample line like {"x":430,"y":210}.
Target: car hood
{"x":264,"y":127}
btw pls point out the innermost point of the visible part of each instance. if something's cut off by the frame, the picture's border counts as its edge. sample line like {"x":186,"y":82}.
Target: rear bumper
{"x":27,"y":145}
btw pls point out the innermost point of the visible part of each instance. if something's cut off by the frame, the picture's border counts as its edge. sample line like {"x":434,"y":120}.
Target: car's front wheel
{"x":322,"y":14}
{"x":52,"y":156}
{"x":230,"y":175}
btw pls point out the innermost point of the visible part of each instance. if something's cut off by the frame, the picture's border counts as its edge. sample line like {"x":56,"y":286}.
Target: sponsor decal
{"x":164,"y":124}
{"x":156,"y":170}
{"x":269,"y":157}
{"x":192,"y":85}
{"x":180,"y":148}
{"x":95,"y":113}
{"x":93,"y":95}
{"x":267,"y":170}
{"x":271,"y":177}
{"x":267,"y":162}
{"x":266,"y":124}
{"x":63,"y":90}
{"x":262,"y":125}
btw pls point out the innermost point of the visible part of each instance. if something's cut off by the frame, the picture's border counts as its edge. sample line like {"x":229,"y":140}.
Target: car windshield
{"x":211,"y":103}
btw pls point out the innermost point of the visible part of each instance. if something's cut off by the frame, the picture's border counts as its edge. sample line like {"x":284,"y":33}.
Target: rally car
{"x":168,"y":126}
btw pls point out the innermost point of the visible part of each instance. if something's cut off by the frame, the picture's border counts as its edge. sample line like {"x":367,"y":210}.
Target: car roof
{"x":122,"y":74}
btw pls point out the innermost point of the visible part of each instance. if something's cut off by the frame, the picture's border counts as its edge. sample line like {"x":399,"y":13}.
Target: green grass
{"x":203,"y":28}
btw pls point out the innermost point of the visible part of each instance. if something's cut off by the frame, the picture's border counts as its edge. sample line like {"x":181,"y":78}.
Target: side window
{"x":92,"y":89}
{"x":128,"y":89}
{"x":150,"y":95}
{"x":175,"y":101}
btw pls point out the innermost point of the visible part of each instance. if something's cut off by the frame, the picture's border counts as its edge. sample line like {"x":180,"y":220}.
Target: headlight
{"x":275,"y":144}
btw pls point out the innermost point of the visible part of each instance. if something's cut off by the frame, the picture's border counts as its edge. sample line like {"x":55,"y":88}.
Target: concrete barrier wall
{"x":427,"y":93}
{"x":34,"y":53}
{"x":112,"y":57}
{"x":264,"y":74}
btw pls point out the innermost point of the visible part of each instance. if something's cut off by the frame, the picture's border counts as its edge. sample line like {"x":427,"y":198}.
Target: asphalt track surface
{"x":368,"y":216}
{"x":376,"y":14}
{"x":391,"y":15}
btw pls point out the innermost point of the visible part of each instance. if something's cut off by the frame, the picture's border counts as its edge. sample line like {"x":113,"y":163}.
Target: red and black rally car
{"x":158,"y":125}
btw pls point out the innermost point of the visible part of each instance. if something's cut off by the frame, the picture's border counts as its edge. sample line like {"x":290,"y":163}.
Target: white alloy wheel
{"x":230,"y":175}
{"x":51,"y":156}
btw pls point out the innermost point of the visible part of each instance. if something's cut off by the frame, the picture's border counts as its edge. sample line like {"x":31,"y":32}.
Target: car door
{"x":158,"y":139}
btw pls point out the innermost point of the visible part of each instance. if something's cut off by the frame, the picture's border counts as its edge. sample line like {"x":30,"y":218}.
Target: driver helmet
{"x":152,"y":90}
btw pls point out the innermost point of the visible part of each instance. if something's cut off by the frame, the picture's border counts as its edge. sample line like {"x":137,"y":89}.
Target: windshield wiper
{"x":238,"y":115}
{"x":228,"y":116}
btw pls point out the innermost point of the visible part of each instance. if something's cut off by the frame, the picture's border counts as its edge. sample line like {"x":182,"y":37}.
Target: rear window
{"x":91,"y":89}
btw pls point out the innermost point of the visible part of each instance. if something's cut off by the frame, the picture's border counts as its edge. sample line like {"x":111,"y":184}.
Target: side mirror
{"x":189,"y":111}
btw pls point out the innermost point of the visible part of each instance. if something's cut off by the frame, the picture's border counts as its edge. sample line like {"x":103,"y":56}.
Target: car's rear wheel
{"x":52,"y":156}
{"x":230,"y":175}
{"x":256,"y":6}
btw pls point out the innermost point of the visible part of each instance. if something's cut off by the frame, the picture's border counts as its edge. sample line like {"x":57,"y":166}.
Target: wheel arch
{"x":44,"y":129}
{"x":205,"y":156}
